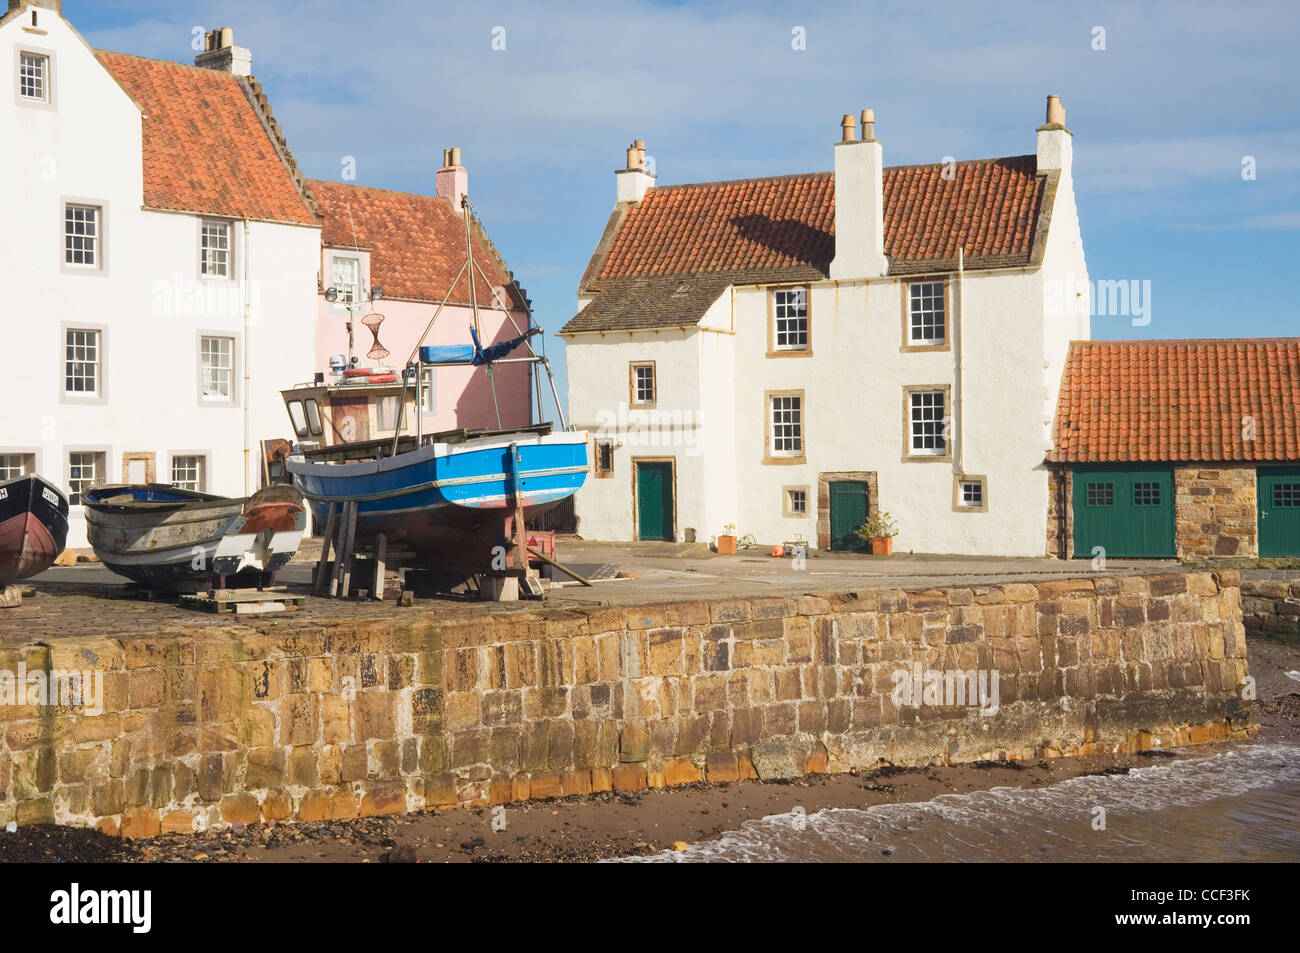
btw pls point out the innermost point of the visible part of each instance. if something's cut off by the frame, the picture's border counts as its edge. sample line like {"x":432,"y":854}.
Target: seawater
{"x":1238,"y":805}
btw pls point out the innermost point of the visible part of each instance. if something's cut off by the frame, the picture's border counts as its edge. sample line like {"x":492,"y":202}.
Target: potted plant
{"x":727,"y":541}
{"x":880,"y":531}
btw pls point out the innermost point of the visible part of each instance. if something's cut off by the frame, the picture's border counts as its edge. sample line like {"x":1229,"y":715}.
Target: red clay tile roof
{"x":416,"y":242}
{"x":205,"y":147}
{"x":990,"y":207}
{"x":1132,"y":401}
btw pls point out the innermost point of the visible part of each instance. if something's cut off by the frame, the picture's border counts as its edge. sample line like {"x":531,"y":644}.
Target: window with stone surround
{"x":217,"y":367}
{"x":215,"y":252}
{"x":82,"y":362}
{"x":34,"y":77}
{"x":187,"y":472}
{"x":643,"y":384}
{"x":81,"y":235}
{"x":790,"y":319}
{"x":14,"y":465}
{"x":786,"y":425}
{"x":928,"y":415}
{"x":85,"y":469}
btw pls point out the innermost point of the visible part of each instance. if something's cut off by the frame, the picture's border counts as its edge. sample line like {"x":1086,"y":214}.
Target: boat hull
{"x":166,"y":538}
{"x":33,"y":527}
{"x":448,"y":504}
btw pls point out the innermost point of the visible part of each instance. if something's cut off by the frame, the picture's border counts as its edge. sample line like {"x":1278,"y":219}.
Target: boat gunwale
{"x":200,"y":500}
{"x":298,"y":464}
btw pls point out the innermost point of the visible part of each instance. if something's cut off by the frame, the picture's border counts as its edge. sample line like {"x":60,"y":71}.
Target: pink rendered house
{"x":413,"y":246}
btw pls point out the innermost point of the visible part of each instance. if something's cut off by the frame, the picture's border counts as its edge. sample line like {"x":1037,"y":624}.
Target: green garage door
{"x":1127,"y":511}
{"x":1279,"y":511}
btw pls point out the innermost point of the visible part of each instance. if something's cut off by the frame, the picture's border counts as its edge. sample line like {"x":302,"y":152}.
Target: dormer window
{"x":34,"y":77}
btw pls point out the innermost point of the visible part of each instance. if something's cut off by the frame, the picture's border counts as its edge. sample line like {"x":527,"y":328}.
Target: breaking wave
{"x":1239,"y":805}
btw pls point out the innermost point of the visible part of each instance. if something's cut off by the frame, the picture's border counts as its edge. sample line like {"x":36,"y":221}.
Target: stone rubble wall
{"x":270,"y":720}
{"x":1215,"y":512}
{"x":1271,"y":607}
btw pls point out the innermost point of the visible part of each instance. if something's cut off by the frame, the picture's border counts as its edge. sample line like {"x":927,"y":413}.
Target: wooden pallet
{"x":242,"y":601}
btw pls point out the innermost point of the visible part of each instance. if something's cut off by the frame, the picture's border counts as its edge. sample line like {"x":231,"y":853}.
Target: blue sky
{"x":1163,"y":116}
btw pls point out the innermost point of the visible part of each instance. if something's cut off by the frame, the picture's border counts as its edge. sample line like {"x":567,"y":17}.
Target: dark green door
{"x":1127,"y":511}
{"x":654,"y":500}
{"x":1279,"y":511}
{"x":848,"y":512}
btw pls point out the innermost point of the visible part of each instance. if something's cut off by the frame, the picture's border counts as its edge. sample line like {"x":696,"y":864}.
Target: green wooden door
{"x":848,"y":512}
{"x":1279,"y":511}
{"x":654,"y":500}
{"x":1127,"y":511}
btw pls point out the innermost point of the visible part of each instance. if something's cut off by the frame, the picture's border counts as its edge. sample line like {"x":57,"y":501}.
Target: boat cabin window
{"x":313,"y":417}
{"x":299,"y":418}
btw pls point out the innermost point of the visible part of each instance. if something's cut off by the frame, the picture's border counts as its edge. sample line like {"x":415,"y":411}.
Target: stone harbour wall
{"x":278,"y":720}
{"x":1271,"y":607}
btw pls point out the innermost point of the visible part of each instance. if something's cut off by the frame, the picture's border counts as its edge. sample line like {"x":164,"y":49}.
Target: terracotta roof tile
{"x":205,"y":147}
{"x":1133,"y":401}
{"x":416,"y":242}
{"x":989,"y":207}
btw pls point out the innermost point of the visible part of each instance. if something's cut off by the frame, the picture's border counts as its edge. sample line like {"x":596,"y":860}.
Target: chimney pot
{"x":455,"y":155}
{"x":848,"y":129}
{"x":868,"y":124}
{"x":1055,"y":111}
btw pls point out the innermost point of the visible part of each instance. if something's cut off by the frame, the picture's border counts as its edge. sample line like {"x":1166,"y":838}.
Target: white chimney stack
{"x":634,"y":181}
{"x":221,"y":54}
{"x":1055,"y":146}
{"x":859,"y":201}
{"x":452,"y":181}
{"x":55,"y":5}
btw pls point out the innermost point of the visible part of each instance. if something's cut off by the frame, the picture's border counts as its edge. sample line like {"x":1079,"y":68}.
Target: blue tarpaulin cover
{"x":447,"y":353}
{"x":474,"y":353}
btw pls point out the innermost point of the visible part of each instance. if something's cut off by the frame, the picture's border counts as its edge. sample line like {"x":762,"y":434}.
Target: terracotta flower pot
{"x":882,"y":546}
{"x":726,"y":545}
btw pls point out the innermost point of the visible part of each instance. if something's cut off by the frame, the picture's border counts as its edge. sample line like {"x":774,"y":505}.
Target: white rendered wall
{"x":148,"y":299}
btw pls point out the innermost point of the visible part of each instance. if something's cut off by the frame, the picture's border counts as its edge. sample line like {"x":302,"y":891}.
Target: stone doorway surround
{"x":824,"y":481}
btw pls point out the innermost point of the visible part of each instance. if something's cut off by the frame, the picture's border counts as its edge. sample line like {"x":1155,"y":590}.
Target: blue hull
{"x":448,"y":503}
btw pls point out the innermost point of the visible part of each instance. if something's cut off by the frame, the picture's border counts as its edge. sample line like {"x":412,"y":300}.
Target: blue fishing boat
{"x":455,"y":500}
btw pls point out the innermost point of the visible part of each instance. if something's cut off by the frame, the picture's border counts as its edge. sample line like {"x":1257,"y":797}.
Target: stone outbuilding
{"x":1177,"y":448}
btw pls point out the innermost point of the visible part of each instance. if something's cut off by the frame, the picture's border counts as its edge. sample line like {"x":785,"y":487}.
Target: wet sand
{"x":595,"y":827}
